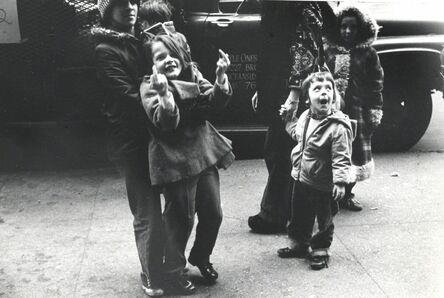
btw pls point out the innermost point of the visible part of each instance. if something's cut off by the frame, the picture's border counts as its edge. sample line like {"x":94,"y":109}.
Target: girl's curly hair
{"x":367,"y":26}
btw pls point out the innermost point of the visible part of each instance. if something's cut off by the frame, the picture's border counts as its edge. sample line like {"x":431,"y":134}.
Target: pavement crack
{"x":82,"y":259}
{"x":362,"y":266}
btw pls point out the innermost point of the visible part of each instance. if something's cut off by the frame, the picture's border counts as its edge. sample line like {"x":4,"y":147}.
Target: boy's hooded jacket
{"x":120,"y":65}
{"x":324,"y":157}
{"x":183,"y":142}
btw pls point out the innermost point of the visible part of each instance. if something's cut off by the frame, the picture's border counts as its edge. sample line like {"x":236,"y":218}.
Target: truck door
{"x":233,"y":26}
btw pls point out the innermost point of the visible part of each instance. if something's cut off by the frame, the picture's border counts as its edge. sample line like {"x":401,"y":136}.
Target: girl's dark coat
{"x":359,"y":78}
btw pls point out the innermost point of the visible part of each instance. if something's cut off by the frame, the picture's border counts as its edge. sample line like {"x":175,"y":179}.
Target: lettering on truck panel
{"x":242,"y":72}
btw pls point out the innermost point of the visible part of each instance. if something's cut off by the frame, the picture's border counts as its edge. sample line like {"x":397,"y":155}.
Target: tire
{"x":407,"y":114}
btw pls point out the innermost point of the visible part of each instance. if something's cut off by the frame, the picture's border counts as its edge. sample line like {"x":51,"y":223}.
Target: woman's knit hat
{"x":103,"y":6}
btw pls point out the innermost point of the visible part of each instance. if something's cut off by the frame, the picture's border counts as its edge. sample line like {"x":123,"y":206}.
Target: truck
{"x":410,"y":48}
{"x":51,"y":100}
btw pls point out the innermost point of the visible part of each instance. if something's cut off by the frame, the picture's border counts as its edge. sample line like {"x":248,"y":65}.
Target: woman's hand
{"x":159,"y":82}
{"x":222,"y":65}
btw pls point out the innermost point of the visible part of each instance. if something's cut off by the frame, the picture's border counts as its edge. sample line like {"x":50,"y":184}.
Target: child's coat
{"x":324,"y":158}
{"x":359,"y":79}
{"x":183,"y":142}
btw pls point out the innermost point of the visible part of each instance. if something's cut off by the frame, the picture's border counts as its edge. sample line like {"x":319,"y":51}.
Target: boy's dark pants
{"x":277,"y":194}
{"x":182,"y":198}
{"x":144,"y":202}
{"x":308,"y":203}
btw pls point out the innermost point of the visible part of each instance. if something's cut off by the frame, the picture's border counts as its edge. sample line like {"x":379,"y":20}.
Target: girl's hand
{"x":222,"y":65}
{"x":338,"y":192}
{"x":159,"y":82}
{"x":254,"y":101}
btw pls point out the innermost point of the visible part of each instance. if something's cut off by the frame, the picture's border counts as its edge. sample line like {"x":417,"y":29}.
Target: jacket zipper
{"x":304,"y":135}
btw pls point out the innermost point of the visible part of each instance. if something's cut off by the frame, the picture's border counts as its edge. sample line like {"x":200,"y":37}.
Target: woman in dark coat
{"x":120,"y":65}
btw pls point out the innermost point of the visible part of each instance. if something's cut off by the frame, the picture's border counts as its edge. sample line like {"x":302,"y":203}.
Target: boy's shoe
{"x":207,"y":270}
{"x":319,"y":259}
{"x":259,"y":225}
{"x":149,"y":288}
{"x":294,"y":252}
{"x":180,"y":285}
{"x":350,"y":203}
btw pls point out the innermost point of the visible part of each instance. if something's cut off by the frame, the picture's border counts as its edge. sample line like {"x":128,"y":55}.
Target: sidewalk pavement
{"x":69,"y":234}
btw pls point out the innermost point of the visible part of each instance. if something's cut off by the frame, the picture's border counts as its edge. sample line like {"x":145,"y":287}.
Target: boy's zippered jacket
{"x":324,"y":158}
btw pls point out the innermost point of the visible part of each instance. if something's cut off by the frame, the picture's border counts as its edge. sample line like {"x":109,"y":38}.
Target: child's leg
{"x":326,"y":208}
{"x":178,"y":219}
{"x":301,"y":222}
{"x":209,"y":213}
{"x":349,"y":201}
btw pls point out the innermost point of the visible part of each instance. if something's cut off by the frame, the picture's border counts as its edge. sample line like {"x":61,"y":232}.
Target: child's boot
{"x":319,"y":258}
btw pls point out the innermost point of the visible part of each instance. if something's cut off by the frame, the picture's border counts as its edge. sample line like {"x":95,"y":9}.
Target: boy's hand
{"x":222,"y":65}
{"x":338,"y":192}
{"x":284,"y":110}
{"x":159,"y":82}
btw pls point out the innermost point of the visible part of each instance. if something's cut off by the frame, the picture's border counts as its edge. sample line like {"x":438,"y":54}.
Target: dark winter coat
{"x":120,"y":65}
{"x":359,"y":78}
{"x":183,"y":142}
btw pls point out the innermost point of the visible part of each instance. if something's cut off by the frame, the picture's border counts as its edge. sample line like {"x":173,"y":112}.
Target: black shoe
{"x":180,"y":285}
{"x":207,"y":271}
{"x":350,"y":203}
{"x":296,"y":252}
{"x":261,"y":226}
{"x":149,"y":288}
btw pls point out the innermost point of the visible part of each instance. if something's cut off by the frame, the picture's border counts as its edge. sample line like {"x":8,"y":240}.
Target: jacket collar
{"x":101,"y":34}
{"x":186,"y":86}
{"x":336,"y":116}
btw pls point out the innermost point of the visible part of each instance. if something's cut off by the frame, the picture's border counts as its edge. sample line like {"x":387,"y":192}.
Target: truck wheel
{"x":407,"y":114}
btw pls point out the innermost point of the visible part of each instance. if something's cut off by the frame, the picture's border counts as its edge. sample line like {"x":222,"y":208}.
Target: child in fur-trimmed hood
{"x":359,"y":78}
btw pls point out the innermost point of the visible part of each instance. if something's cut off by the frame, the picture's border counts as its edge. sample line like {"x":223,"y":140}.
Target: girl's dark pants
{"x":307,"y":204}
{"x":144,"y":202}
{"x":182,"y":198}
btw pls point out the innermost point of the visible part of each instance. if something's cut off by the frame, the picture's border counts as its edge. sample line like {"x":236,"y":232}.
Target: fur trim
{"x":368,"y":31}
{"x":103,"y":6}
{"x":104,"y":34}
{"x":374,"y":117}
{"x":360,"y":173}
